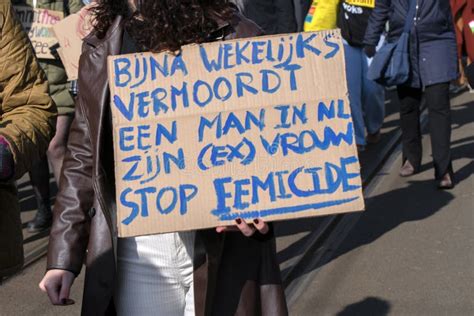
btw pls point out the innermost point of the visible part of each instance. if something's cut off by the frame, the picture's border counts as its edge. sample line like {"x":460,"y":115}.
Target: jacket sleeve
{"x":285,"y":11}
{"x":27,"y":113}
{"x":377,"y":21}
{"x":70,"y":231}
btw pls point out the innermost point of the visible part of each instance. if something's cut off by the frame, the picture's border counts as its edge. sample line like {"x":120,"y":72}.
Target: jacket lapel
{"x":95,"y":96}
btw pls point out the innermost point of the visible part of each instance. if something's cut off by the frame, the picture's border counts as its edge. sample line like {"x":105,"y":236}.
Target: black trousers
{"x":437,"y":101}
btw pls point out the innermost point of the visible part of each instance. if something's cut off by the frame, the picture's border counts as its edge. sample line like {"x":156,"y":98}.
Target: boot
{"x":39,"y":176}
{"x":43,"y":219}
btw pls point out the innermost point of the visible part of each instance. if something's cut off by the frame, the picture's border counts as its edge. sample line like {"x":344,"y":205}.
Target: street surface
{"x":412,"y":252}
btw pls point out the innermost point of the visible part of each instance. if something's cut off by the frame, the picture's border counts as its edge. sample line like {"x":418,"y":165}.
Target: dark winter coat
{"x":273,"y":16}
{"x":352,"y":20}
{"x":234,"y":275}
{"x":432,"y":40}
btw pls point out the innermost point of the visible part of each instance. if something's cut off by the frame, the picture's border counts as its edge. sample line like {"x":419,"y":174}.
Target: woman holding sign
{"x":220,"y":271}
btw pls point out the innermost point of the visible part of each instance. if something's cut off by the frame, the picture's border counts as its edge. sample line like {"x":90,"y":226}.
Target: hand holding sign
{"x":246,"y":229}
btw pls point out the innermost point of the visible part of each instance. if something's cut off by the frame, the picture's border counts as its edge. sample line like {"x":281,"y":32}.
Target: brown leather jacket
{"x":233,"y":275}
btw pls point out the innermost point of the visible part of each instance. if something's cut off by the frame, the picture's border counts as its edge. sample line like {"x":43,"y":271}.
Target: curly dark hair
{"x":159,"y":25}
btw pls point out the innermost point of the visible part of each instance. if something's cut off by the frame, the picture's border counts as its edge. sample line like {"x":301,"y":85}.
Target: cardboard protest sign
{"x":251,"y":128}
{"x":70,"y":32}
{"x":38,"y":24}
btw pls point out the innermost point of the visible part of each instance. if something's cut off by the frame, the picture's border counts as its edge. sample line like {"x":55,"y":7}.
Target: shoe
{"x":457,"y":88}
{"x":446,"y":183}
{"x":407,"y":169}
{"x":42,"y":221}
{"x":374,"y":138}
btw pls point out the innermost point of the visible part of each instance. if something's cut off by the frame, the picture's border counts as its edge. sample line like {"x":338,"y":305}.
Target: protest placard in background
{"x":70,"y":32}
{"x":246,"y":128}
{"x":38,"y":24}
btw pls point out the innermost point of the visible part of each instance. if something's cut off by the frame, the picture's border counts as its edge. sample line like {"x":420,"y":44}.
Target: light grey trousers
{"x":155,"y":275}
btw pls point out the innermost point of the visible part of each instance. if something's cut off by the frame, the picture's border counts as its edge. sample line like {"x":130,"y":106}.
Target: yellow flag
{"x":362,"y":3}
{"x":322,"y":15}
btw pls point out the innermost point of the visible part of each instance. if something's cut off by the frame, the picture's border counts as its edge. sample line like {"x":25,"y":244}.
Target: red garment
{"x":464,"y":9}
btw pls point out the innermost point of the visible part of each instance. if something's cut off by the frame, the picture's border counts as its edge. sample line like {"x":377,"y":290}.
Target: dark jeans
{"x":437,"y":101}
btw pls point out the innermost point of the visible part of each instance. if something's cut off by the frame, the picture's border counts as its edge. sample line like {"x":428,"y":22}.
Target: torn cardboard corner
{"x":250,"y":128}
{"x":38,"y":24}
{"x":70,"y":33}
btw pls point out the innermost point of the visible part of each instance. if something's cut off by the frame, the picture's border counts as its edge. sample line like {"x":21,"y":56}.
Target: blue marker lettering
{"x":172,"y":204}
{"x":124,"y":136}
{"x":205,"y":123}
{"x":163,"y":131}
{"x":222,"y":83}
{"x":302,"y":45}
{"x":221,"y":195}
{"x":206,"y":86}
{"x":266,"y":74}
{"x":126,"y":111}
{"x":186,"y":193}
{"x":121,"y":72}
{"x":209,"y":63}
{"x":241,"y":85}
{"x":240,"y":192}
{"x":129,"y":204}
{"x":143,"y":133}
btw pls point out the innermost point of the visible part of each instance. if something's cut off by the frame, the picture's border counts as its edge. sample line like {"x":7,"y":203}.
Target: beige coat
{"x":27,"y":120}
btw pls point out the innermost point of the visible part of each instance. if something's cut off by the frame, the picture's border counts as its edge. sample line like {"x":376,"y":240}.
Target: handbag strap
{"x":410,"y":15}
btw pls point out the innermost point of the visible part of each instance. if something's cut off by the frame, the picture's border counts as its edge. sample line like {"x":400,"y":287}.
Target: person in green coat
{"x":27,"y":121}
{"x":59,"y":91}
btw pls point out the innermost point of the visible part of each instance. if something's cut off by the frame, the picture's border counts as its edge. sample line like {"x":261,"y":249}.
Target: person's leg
{"x":39,"y":178}
{"x":410,"y":100}
{"x":57,"y":146}
{"x":373,"y":101}
{"x":353,"y":56}
{"x":149,"y":280}
{"x":437,"y":100}
{"x":185,"y":253}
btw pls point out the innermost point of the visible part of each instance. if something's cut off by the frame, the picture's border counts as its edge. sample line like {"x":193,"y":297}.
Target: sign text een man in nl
{"x":233,"y":129}
{"x":38,"y":23}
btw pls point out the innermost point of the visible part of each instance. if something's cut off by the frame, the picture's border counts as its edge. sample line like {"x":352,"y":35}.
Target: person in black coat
{"x":301,"y":11}
{"x":433,"y":62}
{"x":273,"y":16}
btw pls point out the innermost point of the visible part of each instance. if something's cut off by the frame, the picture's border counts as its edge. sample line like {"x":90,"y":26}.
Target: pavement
{"x":21,"y":296}
{"x":412,"y":251}
{"x":310,"y":289}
